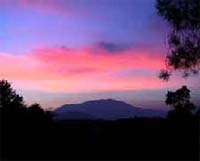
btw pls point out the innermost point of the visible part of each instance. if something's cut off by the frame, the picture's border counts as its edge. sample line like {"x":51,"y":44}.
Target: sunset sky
{"x":69,"y":51}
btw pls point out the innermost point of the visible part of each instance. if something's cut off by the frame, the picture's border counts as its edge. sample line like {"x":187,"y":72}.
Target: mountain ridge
{"x":107,"y":109}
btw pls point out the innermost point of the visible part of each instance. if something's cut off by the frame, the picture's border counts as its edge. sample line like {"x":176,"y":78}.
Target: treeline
{"x":30,"y":133}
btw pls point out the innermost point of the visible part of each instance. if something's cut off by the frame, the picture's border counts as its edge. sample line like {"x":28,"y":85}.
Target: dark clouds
{"x":112,"y":47}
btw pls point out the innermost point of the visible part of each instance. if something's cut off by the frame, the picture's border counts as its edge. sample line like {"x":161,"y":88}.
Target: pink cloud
{"x":104,"y":61}
{"x":65,"y":70}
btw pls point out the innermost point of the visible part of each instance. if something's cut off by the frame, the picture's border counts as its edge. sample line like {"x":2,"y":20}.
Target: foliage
{"x":198,"y":112}
{"x":8,"y":96}
{"x":13,"y":107}
{"x":180,"y":101}
{"x":183,"y":17}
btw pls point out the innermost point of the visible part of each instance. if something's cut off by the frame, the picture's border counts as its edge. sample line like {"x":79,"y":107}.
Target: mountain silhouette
{"x":107,"y":109}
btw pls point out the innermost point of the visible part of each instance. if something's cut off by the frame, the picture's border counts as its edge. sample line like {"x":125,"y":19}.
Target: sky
{"x":69,"y":51}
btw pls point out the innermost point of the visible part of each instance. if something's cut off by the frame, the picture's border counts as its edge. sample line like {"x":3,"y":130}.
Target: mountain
{"x":107,"y":109}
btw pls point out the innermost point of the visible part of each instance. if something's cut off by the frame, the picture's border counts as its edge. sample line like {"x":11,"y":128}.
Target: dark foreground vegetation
{"x":156,"y":139}
{"x":30,"y":133}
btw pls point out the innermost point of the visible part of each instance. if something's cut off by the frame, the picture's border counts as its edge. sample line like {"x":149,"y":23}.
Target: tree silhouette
{"x":183,"y":17}
{"x":198,"y":112}
{"x":12,"y":106}
{"x":36,"y":111}
{"x":180,"y":102}
{"x":36,"y":108}
{"x":9,"y":100}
